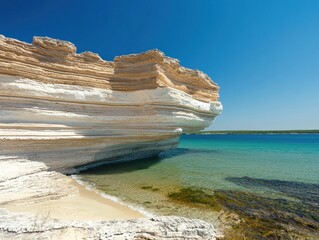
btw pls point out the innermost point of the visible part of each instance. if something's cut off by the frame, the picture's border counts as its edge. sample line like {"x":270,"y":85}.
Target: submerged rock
{"x":252,"y":216}
{"x":307,"y":193}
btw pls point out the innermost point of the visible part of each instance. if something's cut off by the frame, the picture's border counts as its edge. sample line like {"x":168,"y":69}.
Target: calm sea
{"x":282,"y":166}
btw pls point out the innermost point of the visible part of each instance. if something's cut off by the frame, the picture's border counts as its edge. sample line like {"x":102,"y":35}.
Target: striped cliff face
{"x":67,"y":109}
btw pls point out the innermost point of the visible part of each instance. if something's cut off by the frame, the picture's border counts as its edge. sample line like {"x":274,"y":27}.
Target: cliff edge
{"x":67,"y":109}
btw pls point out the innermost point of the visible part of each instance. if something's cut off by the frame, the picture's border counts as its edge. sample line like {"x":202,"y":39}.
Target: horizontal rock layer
{"x":68,"y":109}
{"x":55,"y":61}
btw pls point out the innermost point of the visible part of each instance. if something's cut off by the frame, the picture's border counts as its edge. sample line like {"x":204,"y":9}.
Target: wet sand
{"x":27,"y":186}
{"x":85,"y":205}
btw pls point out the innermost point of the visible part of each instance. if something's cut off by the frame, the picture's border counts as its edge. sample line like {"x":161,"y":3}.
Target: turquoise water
{"x":212,"y":158}
{"x":273,"y":165}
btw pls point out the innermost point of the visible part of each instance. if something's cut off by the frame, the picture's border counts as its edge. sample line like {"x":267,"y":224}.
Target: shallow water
{"x":276,"y":166}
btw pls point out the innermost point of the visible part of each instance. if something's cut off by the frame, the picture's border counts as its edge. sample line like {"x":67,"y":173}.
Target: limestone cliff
{"x":67,"y":109}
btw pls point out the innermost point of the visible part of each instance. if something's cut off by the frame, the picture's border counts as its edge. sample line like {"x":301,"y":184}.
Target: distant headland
{"x":312,"y":131}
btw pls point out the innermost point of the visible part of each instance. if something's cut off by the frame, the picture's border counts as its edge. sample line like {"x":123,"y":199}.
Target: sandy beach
{"x":83,"y":205}
{"x":27,"y":186}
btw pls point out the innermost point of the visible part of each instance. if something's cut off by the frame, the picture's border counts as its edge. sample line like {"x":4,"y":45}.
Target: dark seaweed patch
{"x":150,"y":188}
{"x":196,"y":197}
{"x":307,"y":193}
{"x":261,"y":217}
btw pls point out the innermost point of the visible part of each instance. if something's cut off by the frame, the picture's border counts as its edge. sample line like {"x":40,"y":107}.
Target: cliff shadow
{"x":183,"y":151}
{"x":108,"y":166}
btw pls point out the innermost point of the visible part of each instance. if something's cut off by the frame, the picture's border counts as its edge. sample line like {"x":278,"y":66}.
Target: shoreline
{"x":82,"y":206}
{"x":36,"y":203}
{"x":89,"y":187}
{"x":30,"y":187}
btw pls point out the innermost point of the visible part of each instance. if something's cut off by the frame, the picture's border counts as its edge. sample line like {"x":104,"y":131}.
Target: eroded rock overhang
{"x":68,"y":109}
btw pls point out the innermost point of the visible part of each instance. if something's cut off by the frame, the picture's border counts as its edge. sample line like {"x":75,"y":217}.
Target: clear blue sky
{"x":264,"y":54}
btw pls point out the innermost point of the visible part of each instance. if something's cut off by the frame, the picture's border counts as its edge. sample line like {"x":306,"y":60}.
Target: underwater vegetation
{"x":261,"y":217}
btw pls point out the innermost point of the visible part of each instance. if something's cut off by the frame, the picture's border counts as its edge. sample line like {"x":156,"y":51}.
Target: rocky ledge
{"x":67,"y":109}
{"x":18,"y":226}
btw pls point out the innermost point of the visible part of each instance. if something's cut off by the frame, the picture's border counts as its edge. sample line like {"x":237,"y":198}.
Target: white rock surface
{"x":23,"y":226}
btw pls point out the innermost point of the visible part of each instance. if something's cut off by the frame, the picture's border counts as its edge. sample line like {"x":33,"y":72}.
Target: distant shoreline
{"x":261,"y":132}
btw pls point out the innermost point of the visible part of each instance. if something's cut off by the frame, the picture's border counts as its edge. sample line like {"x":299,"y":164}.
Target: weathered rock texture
{"x":22,"y":226}
{"x":68,"y":109}
{"x":24,"y":182}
